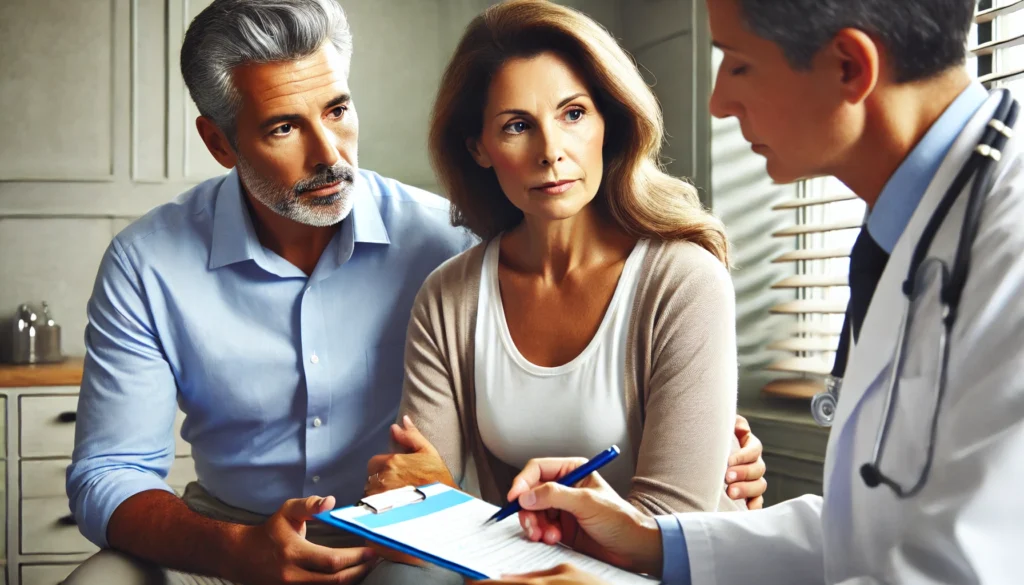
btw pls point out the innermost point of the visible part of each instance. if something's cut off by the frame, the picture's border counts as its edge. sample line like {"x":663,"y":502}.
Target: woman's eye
{"x":574,"y":115}
{"x":283,"y":130}
{"x":739,"y":70}
{"x":515,"y":128}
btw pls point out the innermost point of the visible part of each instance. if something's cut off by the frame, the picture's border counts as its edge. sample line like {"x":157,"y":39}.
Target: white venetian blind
{"x":997,"y":44}
{"x":826,"y":220}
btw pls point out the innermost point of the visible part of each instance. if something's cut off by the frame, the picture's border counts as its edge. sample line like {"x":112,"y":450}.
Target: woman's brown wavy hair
{"x":640,"y":196}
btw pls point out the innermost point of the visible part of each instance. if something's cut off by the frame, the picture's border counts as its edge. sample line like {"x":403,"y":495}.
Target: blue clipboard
{"x":398,"y":506}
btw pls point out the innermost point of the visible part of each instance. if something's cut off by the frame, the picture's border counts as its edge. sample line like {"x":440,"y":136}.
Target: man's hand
{"x":277,"y":551}
{"x":590,"y":518}
{"x":745,"y":475}
{"x":560,"y":575}
{"x":419,"y":465}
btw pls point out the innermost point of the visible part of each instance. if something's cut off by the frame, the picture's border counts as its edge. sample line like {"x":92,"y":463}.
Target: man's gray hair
{"x":229,"y":33}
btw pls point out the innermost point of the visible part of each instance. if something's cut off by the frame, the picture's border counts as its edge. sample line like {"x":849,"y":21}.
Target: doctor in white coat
{"x":876,"y":93}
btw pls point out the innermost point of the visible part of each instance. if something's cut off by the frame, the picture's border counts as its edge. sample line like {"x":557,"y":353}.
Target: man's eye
{"x":739,"y":70}
{"x":339,"y":111}
{"x":283,"y":130}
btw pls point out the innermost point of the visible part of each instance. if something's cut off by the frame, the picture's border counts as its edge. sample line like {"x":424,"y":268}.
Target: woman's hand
{"x":419,"y":465}
{"x":590,"y":518}
{"x":560,"y":575}
{"x":745,"y":475}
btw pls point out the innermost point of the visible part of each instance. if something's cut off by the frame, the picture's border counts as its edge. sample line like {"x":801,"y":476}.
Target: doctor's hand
{"x":560,"y":575}
{"x":745,"y":475}
{"x":590,"y":517}
{"x":418,"y":465}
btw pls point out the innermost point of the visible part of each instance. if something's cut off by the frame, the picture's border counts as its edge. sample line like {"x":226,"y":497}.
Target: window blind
{"x":826,"y":219}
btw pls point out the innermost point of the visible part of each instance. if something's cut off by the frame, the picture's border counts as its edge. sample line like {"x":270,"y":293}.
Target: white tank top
{"x":577,"y":409}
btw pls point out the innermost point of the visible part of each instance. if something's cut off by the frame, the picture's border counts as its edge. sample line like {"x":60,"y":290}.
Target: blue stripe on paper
{"x":435,"y":503}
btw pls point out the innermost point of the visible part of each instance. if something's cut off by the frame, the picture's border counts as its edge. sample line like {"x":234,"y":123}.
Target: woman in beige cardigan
{"x":598,"y":308}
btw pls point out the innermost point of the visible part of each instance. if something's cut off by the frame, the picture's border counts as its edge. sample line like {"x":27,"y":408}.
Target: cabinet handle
{"x":67,"y":417}
{"x":68,"y":520}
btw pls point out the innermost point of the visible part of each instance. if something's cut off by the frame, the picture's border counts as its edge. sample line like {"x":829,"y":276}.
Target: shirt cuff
{"x":675,"y":568}
{"x":96,"y":504}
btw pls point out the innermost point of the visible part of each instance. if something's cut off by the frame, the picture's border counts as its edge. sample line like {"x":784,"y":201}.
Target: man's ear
{"x":216,"y":142}
{"x":856,"y":58}
{"x":478,"y":153}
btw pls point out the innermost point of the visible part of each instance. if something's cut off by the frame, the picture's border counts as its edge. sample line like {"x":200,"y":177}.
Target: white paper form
{"x":453,"y":528}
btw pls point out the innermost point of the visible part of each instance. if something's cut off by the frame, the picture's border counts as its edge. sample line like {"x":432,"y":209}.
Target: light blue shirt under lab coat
{"x":289,"y":383}
{"x":889,"y":217}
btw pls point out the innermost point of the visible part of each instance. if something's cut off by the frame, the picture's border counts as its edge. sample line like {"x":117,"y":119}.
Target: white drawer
{"x":47,"y":527}
{"x":45,"y":574}
{"x":48,"y":427}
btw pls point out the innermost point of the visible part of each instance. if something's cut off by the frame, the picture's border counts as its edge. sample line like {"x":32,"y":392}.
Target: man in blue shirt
{"x":270,"y":305}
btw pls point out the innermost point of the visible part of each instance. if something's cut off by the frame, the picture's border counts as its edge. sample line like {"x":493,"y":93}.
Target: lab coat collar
{"x":868,"y":368}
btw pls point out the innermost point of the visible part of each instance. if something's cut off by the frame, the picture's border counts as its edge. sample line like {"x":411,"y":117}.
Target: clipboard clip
{"x":392,"y":499}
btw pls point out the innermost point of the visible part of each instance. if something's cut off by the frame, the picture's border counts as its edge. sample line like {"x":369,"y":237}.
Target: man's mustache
{"x":328,"y":176}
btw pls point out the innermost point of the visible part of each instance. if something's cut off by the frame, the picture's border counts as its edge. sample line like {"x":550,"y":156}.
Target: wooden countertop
{"x":66,"y":373}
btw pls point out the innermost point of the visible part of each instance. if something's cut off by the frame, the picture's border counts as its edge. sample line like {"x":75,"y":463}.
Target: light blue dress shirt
{"x":289,"y":383}
{"x":889,"y":218}
{"x":904,"y":190}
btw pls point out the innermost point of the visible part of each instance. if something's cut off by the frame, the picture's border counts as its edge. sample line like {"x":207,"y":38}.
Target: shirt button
{"x":314,"y":359}
{"x":316,"y":478}
{"x":317,"y":422}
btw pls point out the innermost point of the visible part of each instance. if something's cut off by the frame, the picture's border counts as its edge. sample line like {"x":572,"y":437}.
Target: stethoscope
{"x":981,"y":164}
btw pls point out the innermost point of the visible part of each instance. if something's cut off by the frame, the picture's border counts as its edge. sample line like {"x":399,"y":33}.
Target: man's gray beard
{"x":287,"y":201}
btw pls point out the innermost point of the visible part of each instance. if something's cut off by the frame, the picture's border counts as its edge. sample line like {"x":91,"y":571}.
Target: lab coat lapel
{"x":867,"y":369}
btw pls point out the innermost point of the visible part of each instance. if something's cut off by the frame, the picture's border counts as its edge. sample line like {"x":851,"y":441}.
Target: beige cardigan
{"x":681,"y":377}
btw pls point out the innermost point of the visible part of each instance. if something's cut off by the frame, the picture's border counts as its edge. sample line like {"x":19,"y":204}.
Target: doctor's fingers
{"x":540,"y":527}
{"x":538,"y":471}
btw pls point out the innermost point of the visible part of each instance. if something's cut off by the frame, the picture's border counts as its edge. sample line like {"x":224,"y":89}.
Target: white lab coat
{"x":967,"y":524}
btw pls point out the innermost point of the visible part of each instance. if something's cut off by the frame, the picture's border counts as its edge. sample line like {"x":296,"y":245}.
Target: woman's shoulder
{"x":457,"y":276}
{"x":674,"y":266}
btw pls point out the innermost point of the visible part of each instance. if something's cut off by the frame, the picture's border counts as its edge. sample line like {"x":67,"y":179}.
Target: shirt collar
{"x":907,"y":186}
{"x":234,"y":237}
{"x":368,"y":225}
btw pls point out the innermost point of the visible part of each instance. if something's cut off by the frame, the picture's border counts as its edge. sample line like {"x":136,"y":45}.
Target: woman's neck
{"x":555,"y":248}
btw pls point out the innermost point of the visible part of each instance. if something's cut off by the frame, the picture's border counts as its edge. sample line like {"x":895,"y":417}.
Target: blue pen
{"x":597,"y":462}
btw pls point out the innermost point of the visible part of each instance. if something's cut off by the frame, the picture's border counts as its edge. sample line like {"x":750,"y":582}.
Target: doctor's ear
{"x":855,"y":58}
{"x":478,"y":153}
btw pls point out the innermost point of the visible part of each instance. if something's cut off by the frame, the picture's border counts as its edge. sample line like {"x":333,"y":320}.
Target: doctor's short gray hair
{"x":923,"y":37}
{"x":229,"y":33}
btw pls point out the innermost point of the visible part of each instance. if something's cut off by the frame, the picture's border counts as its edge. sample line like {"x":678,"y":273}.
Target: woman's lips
{"x":557,"y":187}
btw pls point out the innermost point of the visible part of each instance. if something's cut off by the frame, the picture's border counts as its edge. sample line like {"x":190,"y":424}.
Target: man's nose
{"x":324,"y":147}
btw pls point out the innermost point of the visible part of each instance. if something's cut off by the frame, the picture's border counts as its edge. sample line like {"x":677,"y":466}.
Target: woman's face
{"x":543,"y":136}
